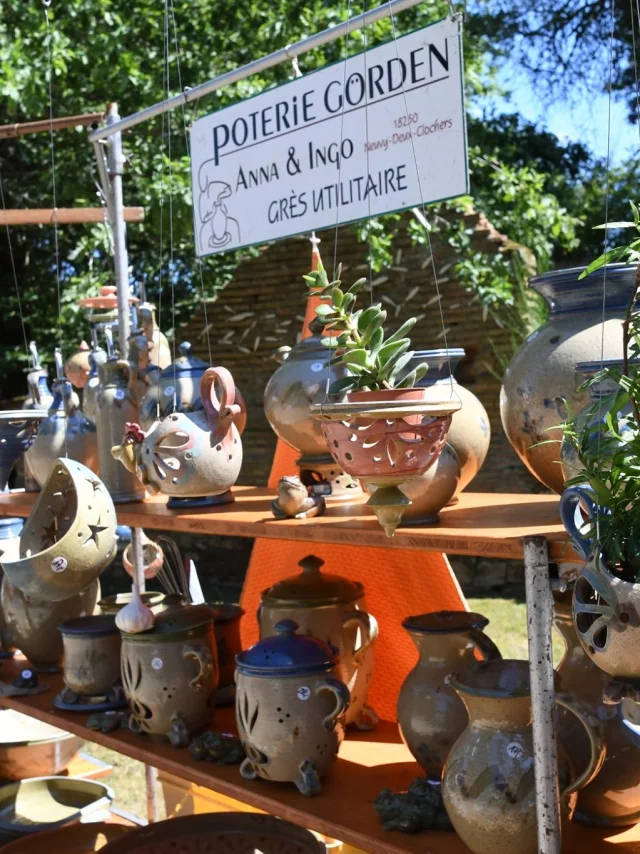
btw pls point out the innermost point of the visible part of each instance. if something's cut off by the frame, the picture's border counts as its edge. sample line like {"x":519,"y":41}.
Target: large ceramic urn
{"x":540,"y":380}
{"x":66,"y":432}
{"x":302,"y":380}
{"x":612,"y":799}
{"x":333,"y":609}
{"x":290,"y":707}
{"x":488,"y":785}
{"x":176,"y":389}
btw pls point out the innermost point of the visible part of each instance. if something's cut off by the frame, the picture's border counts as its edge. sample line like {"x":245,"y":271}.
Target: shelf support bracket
{"x":545,"y":755}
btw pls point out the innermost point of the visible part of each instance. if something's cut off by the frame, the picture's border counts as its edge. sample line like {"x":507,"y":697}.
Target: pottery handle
{"x":202,"y":655}
{"x":595,"y":732}
{"x":573,"y":500}
{"x":369,"y":627}
{"x":343,"y":698}
{"x":484,"y":644}
{"x":222,"y":413}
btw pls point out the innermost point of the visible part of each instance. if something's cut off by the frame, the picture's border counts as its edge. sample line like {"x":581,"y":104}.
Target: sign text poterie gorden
{"x":382,"y":132}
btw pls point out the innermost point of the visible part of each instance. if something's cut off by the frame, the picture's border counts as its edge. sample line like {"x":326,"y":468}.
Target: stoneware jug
{"x":431,"y":715}
{"x":290,"y":708}
{"x":195,"y":454}
{"x":91,"y":659}
{"x":488,"y":785}
{"x":606,"y":608}
{"x":66,"y":432}
{"x":612,"y":799}
{"x":541,"y":375}
{"x":31,"y":625}
{"x":332,"y":609}
{"x":97,"y":357}
{"x":116,"y":407}
{"x":299,"y":382}
{"x":170,"y":674}
{"x":69,"y":537}
{"x":176,"y":389}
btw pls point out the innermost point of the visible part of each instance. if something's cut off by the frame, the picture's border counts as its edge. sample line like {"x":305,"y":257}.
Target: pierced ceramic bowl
{"x":69,"y":538}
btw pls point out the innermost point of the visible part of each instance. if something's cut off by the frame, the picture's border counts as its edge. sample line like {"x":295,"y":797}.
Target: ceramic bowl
{"x":74,"y":839}
{"x":42,"y":803}
{"x":30,"y":748}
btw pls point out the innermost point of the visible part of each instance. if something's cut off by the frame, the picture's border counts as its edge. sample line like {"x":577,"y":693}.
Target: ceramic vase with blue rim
{"x":290,"y":708}
{"x":541,"y":375}
{"x":606,"y":607}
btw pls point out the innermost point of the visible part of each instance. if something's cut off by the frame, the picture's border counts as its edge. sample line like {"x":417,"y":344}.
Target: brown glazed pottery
{"x":30,"y":748}
{"x":612,"y":799}
{"x":170,"y":674}
{"x":222,"y":833}
{"x":539,"y":386}
{"x":431,"y":715}
{"x":488,"y":785}
{"x":91,"y":665}
{"x":290,"y":708}
{"x":226,"y":628}
{"x":332,"y":609}
{"x":32,"y":626}
{"x":72,"y":839}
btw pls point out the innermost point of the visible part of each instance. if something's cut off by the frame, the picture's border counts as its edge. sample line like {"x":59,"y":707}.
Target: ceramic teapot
{"x":69,"y":537}
{"x":66,"y":432}
{"x":176,"y":389}
{"x":290,"y":708}
{"x":40,"y":396}
{"x":331,"y":608}
{"x":195,"y":454}
{"x":431,"y":715}
{"x":488,"y":785}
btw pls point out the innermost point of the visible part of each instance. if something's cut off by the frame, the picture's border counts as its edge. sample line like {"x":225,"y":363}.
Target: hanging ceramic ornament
{"x":40,"y":396}
{"x":384,"y":438}
{"x":77,"y":368}
{"x":97,"y":357}
{"x":191,"y":455}
{"x":65,"y":432}
{"x":176,"y":389}
{"x":159,"y":350}
{"x":69,"y":538}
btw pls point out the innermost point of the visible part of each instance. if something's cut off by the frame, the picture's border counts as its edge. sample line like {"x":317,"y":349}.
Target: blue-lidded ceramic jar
{"x":180,"y":381}
{"x":290,"y":708}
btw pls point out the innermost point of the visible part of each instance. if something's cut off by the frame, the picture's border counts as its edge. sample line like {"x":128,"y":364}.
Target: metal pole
{"x":545,"y":756}
{"x":285,"y":54}
{"x":116,"y":163}
{"x":151,"y":781}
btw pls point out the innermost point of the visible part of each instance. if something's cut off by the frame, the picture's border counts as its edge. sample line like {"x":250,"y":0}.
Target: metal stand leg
{"x":539,"y":625}
{"x":151,"y":780}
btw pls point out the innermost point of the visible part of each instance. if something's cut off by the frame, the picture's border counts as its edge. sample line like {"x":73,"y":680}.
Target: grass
{"x":507,"y":628}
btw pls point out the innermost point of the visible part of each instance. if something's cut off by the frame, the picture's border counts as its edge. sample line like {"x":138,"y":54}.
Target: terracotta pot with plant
{"x":379,"y":426}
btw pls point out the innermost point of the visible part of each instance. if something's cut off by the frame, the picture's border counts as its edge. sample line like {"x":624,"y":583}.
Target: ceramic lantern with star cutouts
{"x":69,"y":538}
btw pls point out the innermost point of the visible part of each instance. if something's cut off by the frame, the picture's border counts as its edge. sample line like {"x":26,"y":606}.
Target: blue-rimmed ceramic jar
{"x":290,"y":708}
{"x":179,"y":381}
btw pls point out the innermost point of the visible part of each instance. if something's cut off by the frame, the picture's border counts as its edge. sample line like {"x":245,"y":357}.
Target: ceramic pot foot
{"x":178,"y":735}
{"x":617,"y":690}
{"x":308,"y":783}
{"x":366,"y":719}
{"x":175,"y":503}
{"x":247,"y":769}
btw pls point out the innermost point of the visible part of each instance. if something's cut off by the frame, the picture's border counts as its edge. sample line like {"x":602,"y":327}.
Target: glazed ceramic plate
{"x":75,"y":839}
{"x":42,"y":803}
{"x":224,"y":832}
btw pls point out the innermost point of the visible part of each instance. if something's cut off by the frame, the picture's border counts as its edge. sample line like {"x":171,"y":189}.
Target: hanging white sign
{"x":381,"y":132}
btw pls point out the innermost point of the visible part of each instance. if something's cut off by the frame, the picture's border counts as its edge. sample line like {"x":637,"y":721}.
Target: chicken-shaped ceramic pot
{"x":191,"y":455}
{"x":69,"y":538}
{"x":290,"y":708}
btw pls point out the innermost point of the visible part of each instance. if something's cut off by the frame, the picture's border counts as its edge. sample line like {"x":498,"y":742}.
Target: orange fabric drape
{"x":397,"y":583}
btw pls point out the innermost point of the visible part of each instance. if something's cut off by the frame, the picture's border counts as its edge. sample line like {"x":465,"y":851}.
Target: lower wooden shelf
{"x":368,"y":762}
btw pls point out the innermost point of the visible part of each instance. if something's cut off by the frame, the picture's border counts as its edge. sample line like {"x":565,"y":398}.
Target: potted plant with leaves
{"x":378,"y":425}
{"x":605,"y":442}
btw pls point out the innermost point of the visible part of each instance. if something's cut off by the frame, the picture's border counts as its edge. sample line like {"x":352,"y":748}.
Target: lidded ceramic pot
{"x":431,"y":715}
{"x":332,"y":609}
{"x":290,"y":708}
{"x":170,"y":674}
{"x":66,"y":432}
{"x":91,"y":666}
{"x":541,"y":375}
{"x":177,"y":388}
{"x":612,"y":799}
{"x":488,"y":785}
{"x":31,"y":625}
{"x":297,"y":384}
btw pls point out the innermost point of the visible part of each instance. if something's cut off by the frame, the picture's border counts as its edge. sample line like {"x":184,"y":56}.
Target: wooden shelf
{"x":368,"y":762}
{"x":481,"y":524}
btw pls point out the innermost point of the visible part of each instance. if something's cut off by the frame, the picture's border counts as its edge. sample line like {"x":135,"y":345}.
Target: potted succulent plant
{"x":382,"y":429}
{"x":605,"y":441}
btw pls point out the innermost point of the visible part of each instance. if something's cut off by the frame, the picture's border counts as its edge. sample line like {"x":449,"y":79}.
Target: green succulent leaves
{"x":358,"y":341}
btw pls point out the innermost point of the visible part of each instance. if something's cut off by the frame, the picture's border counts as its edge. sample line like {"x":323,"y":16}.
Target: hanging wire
{"x":344,"y":82}
{"x":13,"y":271}
{"x":161,"y":228}
{"x":185,"y":127}
{"x":172,"y":278}
{"x":458,"y":18}
{"x":635,"y":57}
{"x":366,"y":148}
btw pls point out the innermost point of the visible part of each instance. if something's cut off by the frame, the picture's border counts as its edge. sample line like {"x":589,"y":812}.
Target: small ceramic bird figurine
{"x":295,"y":501}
